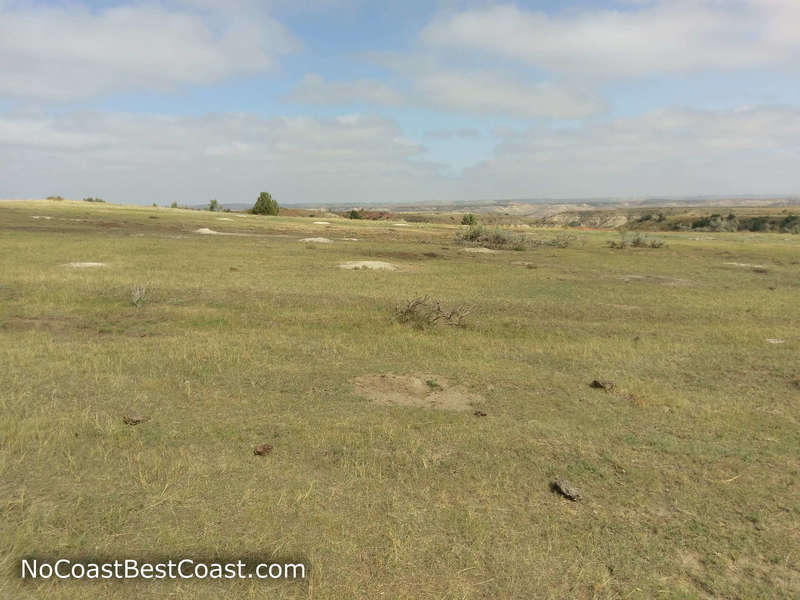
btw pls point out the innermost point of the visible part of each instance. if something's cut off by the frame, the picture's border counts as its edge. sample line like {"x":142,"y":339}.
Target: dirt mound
{"x":420,"y":391}
{"x":653,"y":279}
{"x":373,"y":265}
{"x":317,"y":240}
{"x":481,"y":250}
{"x":321,"y":223}
{"x":745,"y":265}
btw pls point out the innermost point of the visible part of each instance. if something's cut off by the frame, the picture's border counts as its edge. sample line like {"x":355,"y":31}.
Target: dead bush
{"x":424,"y":312}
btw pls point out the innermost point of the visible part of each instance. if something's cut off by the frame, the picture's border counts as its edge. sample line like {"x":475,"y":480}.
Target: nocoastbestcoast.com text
{"x":185,"y":568}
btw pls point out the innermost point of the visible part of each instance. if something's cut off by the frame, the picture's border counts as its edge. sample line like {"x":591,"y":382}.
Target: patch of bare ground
{"x":653,"y":279}
{"x":317,"y":240}
{"x":207,"y":231}
{"x":744,"y":265}
{"x":372,"y":265}
{"x":422,"y":390}
{"x":85,"y":265}
{"x":481,"y":250}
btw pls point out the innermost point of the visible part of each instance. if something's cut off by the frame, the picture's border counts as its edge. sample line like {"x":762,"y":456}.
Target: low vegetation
{"x":424,"y":312}
{"x":138,"y":294}
{"x":493,"y":238}
{"x":638,"y":240}
{"x":129,"y":432}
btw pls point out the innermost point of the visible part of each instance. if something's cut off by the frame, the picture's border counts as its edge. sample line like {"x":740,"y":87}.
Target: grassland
{"x":690,"y":469}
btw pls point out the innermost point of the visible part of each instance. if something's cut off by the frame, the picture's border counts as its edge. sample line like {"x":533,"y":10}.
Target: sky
{"x":356,"y":102}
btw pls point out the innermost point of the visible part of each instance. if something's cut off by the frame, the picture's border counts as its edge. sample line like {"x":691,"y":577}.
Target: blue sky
{"x":359,"y":102}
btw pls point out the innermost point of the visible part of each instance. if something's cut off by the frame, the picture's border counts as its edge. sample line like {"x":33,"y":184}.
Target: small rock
{"x":262,"y":450}
{"x":134,"y":419}
{"x":603,"y":385}
{"x":566,"y":489}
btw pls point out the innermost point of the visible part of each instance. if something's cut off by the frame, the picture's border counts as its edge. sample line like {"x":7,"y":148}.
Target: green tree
{"x":469,"y":219}
{"x":213,"y":205}
{"x":265,"y":205}
{"x":354,"y":214}
{"x":174,"y":204}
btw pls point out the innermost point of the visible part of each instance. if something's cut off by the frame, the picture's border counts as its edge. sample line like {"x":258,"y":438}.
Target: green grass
{"x":690,"y":471}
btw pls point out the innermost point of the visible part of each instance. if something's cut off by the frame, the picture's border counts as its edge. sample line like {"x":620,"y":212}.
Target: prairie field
{"x":688,"y":462}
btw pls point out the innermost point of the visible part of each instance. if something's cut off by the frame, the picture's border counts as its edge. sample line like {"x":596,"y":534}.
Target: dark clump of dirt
{"x":415,"y":391}
{"x":566,"y":489}
{"x":479,"y":413}
{"x":134,"y":418}
{"x":262,"y":449}
{"x":608,"y":386}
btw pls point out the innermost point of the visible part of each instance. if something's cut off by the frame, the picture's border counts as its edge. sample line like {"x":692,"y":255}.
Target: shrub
{"x":469,"y":219}
{"x":174,"y":204}
{"x":424,"y":312}
{"x":55,"y":198}
{"x":138,"y":295}
{"x":562,"y":240}
{"x":90,"y":199}
{"x":640,"y":240}
{"x":213,"y":206}
{"x":621,"y":244}
{"x":493,"y":238}
{"x":354,"y":214}
{"x":756,"y":224}
{"x":265,"y":205}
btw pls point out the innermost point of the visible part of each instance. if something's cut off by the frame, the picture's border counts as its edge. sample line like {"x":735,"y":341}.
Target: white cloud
{"x":448,"y":134}
{"x":664,"y":36}
{"x":665,"y":152}
{"x":141,"y":159}
{"x":56,"y":53}
{"x":473,"y":92}
{"x":358,"y":160}
{"x":486,"y":93}
{"x":313,"y":89}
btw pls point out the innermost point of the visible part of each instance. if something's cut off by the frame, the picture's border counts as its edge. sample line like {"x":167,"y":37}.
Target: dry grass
{"x":689,"y":477}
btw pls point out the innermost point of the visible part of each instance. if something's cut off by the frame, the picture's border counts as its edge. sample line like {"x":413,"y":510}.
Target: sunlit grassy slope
{"x":690,"y":470}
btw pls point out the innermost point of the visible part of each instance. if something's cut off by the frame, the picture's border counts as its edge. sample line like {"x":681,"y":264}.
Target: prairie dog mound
{"x":422,"y":390}
{"x":374,"y":265}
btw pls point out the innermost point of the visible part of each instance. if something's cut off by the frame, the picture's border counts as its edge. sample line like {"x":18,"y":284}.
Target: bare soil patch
{"x":207,"y":231}
{"x":653,"y":279}
{"x":744,"y":265}
{"x":372,"y":265}
{"x":481,"y":250}
{"x":317,"y":240}
{"x":422,"y":390}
